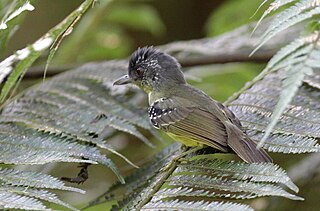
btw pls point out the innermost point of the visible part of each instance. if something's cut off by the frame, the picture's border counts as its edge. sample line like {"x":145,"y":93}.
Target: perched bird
{"x":184,"y":112}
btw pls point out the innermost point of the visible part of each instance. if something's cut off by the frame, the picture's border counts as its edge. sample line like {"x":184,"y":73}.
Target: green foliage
{"x":104,"y":31}
{"x":57,"y":112}
{"x":299,"y":58}
{"x":24,"y":190}
{"x":170,"y":183}
{"x":56,"y":121}
{"x":294,"y":133}
{"x":226,"y":17}
{"x":16,"y":65}
{"x":137,"y":17}
{"x":221,"y":81}
{"x":11,"y":14}
{"x":195,"y":205}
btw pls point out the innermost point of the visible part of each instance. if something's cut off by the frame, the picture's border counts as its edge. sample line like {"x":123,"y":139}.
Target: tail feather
{"x":245,"y":147}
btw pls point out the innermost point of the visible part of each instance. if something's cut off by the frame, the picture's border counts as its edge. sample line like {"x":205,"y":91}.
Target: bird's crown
{"x":142,"y":55}
{"x":150,"y":68}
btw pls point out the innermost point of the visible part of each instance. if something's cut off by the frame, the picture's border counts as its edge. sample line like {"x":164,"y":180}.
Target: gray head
{"x":152,"y":70}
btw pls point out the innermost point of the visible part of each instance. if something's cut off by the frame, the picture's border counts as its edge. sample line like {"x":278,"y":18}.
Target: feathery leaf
{"x":23,"y":189}
{"x":195,"y":205}
{"x":290,"y":85}
{"x":297,"y":13}
{"x":15,"y":201}
{"x":256,"y":172}
{"x":297,"y":129}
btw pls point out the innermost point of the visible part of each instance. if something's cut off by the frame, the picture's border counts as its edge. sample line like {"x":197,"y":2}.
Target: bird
{"x":184,"y":112}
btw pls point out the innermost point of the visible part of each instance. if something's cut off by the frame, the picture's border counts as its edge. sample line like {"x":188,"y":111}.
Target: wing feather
{"x":215,"y":126}
{"x":192,"y":122}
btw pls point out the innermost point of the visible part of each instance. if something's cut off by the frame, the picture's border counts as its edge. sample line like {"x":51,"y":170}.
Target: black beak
{"x":123,"y":80}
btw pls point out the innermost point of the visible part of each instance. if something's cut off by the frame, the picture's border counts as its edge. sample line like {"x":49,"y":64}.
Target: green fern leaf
{"x":37,"y":194}
{"x":14,"y":201}
{"x":60,"y":115}
{"x":297,"y":13}
{"x":288,"y":143}
{"x":290,"y":49}
{"x":256,"y":172}
{"x":23,"y":189}
{"x":195,"y":205}
{"x":273,"y":6}
{"x":33,"y":179}
{"x":299,"y":58}
{"x":291,"y":84}
{"x":196,"y":178}
{"x":298,"y":128}
{"x":208,"y":183}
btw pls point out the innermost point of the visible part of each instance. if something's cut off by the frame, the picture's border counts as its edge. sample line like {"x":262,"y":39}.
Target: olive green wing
{"x":187,"y":121}
{"x":239,"y":141}
{"x":229,"y":114}
{"x":244,"y":146}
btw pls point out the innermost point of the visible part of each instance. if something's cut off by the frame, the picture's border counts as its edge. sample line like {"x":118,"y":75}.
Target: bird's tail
{"x":245,"y":147}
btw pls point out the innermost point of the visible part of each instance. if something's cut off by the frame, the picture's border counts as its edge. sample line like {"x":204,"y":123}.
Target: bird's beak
{"x":123,"y":80}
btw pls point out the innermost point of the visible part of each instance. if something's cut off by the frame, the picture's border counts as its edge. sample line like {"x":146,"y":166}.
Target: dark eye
{"x":139,"y":72}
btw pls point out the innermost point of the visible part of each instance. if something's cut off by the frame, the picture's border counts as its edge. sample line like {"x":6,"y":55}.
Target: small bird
{"x":186,"y":113}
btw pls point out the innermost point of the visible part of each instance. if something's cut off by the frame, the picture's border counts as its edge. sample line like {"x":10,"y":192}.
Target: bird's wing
{"x":239,"y":141}
{"x":244,"y":146}
{"x":184,"y":119}
{"x":230,"y":115}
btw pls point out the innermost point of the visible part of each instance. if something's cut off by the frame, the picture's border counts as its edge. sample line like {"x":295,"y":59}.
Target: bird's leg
{"x":183,"y":154}
{"x":183,"y":147}
{"x":189,"y":151}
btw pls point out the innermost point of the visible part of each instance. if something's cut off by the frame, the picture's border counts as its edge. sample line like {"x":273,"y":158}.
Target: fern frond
{"x":295,"y":14}
{"x":255,"y":172}
{"x":183,"y":192}
{"x":306,"y":42}
{"x":143,"y":184}
{"x":15,"y":201}
{"x":33,"y":179}
{"x":298,"y":127}
{"x":291,"y":84}
{"x":24,"y":188}
{"x":195,"y":205}
{"x":196,"y":179}
{"x":273,"y":7}
{"x":288,"y":143}
{"x":58,"y":115}
{"x":55,"y":122}
{"x":231,"y":186}
{"x":31,"y":193}
{"x":295,"y":59}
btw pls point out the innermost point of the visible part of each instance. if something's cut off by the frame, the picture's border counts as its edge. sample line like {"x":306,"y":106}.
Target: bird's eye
{"x":139,"y":72}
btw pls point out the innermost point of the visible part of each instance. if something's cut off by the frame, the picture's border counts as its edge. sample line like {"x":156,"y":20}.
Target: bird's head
{"x":152,"y":70}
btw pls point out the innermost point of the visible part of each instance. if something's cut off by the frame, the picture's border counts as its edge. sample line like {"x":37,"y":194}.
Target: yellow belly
{"x":185,"y":140}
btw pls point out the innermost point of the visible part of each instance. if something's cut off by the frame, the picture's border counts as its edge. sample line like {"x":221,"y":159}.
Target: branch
{"x":234,"y":46}
{"x":36,"y":72}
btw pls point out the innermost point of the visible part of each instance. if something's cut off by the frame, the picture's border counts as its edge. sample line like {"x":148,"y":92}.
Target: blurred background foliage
{"x":112,"y":30}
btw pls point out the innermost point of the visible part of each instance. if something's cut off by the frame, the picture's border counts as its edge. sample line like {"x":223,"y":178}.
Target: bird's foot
{"x":181,"y":156}
{"x":183,"y":147}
